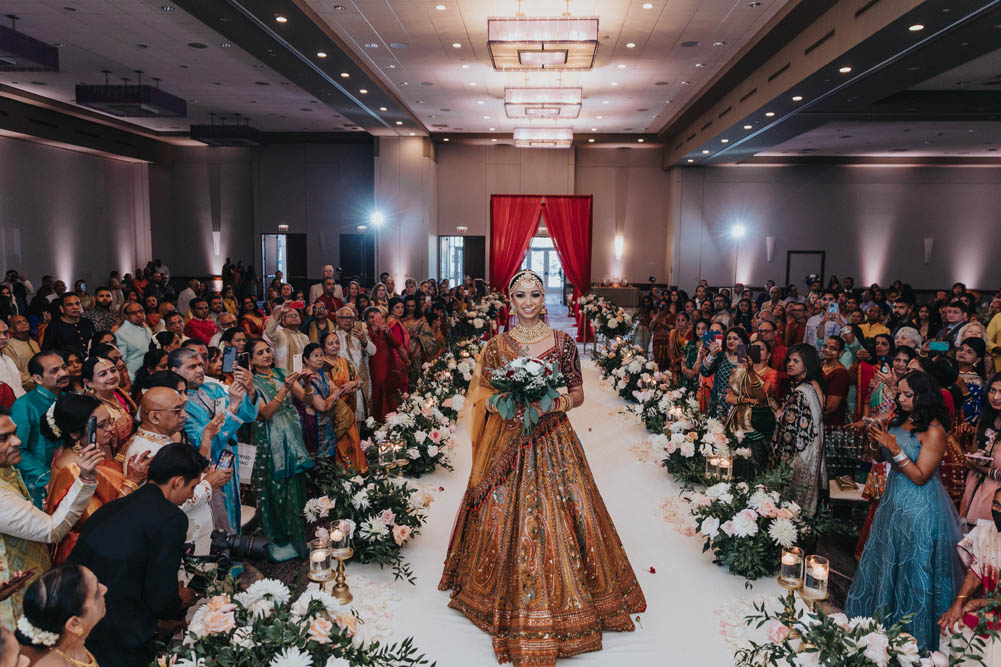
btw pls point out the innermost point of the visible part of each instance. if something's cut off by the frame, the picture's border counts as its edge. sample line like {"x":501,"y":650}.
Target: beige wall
{"x":406,"y":193}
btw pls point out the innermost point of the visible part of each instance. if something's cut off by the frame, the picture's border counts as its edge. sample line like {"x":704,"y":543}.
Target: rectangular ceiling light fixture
{"x":536,"y":43}
{"x":543,"y":137}
{"x":543,"y":102}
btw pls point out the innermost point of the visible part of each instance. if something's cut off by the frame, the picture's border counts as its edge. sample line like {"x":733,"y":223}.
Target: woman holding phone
{"x":910,"y":566}
{"x":799,"y":431}
{"x":753,"y":386}
{"x":984,"y":476}
{"x":723,"y":356}
{"x":75,"y":422}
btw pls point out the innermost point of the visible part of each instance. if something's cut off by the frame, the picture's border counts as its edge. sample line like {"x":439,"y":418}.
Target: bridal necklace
{"x":91,"y":662}
{"x":530,"y":335}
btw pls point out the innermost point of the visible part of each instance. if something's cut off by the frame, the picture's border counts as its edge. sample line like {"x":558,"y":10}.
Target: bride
{"x":534,"y":558}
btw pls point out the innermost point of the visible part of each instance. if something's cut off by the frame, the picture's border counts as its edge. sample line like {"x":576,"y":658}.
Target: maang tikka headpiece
{"x":526,"y":279}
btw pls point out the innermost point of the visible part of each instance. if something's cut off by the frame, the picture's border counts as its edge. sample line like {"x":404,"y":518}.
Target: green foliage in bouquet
{"x":522,"y":382}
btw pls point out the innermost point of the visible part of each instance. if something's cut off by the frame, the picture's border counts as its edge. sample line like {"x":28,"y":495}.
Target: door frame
{"x":823,"y":261}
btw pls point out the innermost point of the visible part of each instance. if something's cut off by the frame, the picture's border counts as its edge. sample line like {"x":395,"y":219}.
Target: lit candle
{"x":725,"y":467}
{"x":792,"y":566}
{"x":337,"y":535}
{"x":817,"y":571}
{"x":319,"y":560}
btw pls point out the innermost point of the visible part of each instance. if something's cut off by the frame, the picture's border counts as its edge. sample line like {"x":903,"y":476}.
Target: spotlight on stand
{"x":377,"y":218}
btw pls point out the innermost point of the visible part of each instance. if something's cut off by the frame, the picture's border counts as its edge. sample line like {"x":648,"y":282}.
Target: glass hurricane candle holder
{"x":791,"y":573}
{"x":319,"y":560}
{"x":387,"y":457}
{"x":725,"y":468}
{"x":340,"y":541}
{"x":815,"y":579}
{"x":712,"y":467}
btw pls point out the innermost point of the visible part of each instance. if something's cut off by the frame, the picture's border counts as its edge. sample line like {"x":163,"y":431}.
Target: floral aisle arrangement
{"x":637,"y":378}
{"x":613,"y":354}
{"x":422,"y":430}
{"x":520,"y":384}
{"x":471,"y":323}
{"x":382,"y":513}
{"x":665,"y":406}
{"x":802,"y":639}
{"x":446,"y":379}
{"x":608,"y":319}
{"x":746,"y":527}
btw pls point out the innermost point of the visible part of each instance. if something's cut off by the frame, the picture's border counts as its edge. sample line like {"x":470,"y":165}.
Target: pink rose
{"x":777,"y":631}
{"x":319,"y":630}
{"x":217,"y":622}
{"x":840,"y":620}
{"x":435,"y":436}
{"x":366,"y":444}
{"x":401,"y":534}
{"x":783,"y":513}
{"x":388,"y":517}
{"x":347,"y":622}
{"x":749,"y":514}
{"x":727,"y":528}
{"x":322,"y":534}
{"x":220,"y":603}
{"x":939,"y":660}
{"x":768,"y":509}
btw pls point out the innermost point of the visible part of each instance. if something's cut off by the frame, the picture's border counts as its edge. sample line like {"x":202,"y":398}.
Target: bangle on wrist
{"x":130,"y":484}
{"x":899,"y":457}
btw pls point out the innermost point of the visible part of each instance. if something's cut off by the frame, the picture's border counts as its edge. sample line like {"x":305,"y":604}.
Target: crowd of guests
{"x":918,"y":377}
{"x":121,"y":414}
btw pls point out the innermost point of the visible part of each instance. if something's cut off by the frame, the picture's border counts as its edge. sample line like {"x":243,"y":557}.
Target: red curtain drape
{"x":568,"y":219}
{"x":513,"y":221}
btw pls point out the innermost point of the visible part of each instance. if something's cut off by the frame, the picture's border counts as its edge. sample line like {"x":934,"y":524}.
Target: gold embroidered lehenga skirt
{"x":534,"y":559}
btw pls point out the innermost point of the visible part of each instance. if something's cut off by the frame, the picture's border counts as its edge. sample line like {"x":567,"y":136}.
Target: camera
{"x":225,"y":549}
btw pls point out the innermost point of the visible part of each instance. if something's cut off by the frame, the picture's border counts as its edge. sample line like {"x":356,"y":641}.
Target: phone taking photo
{"x":228,"y":359}
{"x":296,"y":363}
{"x":218,"y":405}
{"x":741,"y":353}
{"x":833,"y":308}
{"x":243,"y":360}
{"x":92,"y":431}
{"x":225,"y":461}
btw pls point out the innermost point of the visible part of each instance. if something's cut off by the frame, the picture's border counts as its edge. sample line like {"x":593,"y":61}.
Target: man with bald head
{"x":316,"y":291}
{"x":356,"y":347}
{"x":163,"y":415}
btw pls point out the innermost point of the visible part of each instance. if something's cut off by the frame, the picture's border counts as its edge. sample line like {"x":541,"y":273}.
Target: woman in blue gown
{"x":910,"y":565}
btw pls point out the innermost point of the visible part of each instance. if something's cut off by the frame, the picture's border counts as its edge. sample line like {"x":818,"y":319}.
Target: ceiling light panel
{"x":531,"y":43}
{"x":543,"y":102}
{"x":543,"y":137}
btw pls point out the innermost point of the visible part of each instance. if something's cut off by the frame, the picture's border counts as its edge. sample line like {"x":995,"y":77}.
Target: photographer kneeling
{"x":134,"y":545}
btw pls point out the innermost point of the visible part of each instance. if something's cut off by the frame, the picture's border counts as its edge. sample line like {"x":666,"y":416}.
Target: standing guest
{"x":133,"y":337}
{"x":318,"y":323}
{"x":10,"y":374}
{"x":216,"y":308}
{"x":743,"y":314}
{"x":240,"y":408}
{"x":361,"y":304}
{"x":693,"y":356}
{"x":80,"y":289}
{"x":795,"y":328}
{"x":101,"y":314}
{"x":719,"y":363}
{"x":955,"y":316}
{"x":799,"y":432}
{"x":970,"y":383}
{"x":927,"y":321}
{"x":70,"y":329}
{"x":429,"y":339}
{"x":26,"y":532}
{"x":643,"y":332}
{"x":357,"y":348}
{"x":909,"y":567}
{"x":318,"y":289}
{"x":173,"y":322}
{"x":101,"y":380}
{"x":134,"y":545}
{"x":677,"y":341}
{"x":984,"y":476}
{"x":753,"y":386}
{"x":48,"y":370}
{"x":229,"y":303}
{"x":68,"y":427}
{"x":281,"y":330}
{"x":251,"y":320}
{"x":329,"y":297}
{"x":836,"y":379}
{"x":225,"y":321}
{"x":383,"y":373}
{"x":873,"y":325}
{"x":21,"y":348}
{"x":154,"y":361}
{"x":401,"y":351}
{"x":336,"y":428}
{"x":200,"y":326}
{"x":153,"y":318}
{"x":186,"y":296}
{"x":824,"y":324}
{"x":279,"y":477}
{"x":660,"y":334}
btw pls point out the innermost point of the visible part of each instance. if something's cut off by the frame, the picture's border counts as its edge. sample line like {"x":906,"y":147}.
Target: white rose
{"x":420,"y":437}
{"x":413,"y":453}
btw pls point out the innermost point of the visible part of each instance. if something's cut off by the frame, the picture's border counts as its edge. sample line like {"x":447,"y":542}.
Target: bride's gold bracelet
{"x":562,"y":403}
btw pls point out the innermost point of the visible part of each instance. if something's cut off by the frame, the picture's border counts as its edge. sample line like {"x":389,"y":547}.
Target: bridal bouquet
{"x":520,"y":383}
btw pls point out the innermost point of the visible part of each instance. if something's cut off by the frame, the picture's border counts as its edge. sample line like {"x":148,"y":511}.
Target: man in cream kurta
{"x":356,"y":347}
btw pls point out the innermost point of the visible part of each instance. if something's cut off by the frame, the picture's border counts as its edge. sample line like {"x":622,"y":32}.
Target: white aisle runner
{"x":679,"y":626}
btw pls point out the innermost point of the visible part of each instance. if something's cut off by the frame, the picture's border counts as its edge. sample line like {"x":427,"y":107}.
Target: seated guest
{"x":27,"y":532}
{"x":10,"y":377}
{"x":174,"y":323}
{"x":984,"y":475}
{"x":836,"y":379}
{"x":225,"y":322}
{"x":48,"y":370}
{"x":163,"y":420}
{"x":133,"y":337}
{"x":102,"y":315}
{"x":357,"y":348}
{"x":68,"y":426}
{"x":234,"y":337}
{"x":908,"y":336}
{"x":980,"y":553}
{"x":134,"y":546}
{"x":955,"y":316}
{"x":167,"y":341}
{"x":216,"y":308}
{"x":60,"y":609}
{"x":799,"y":432}
{"x":21,"y":348}
{"x":281,"y":330}
{"x":70,"y":329}
{"x":240,"y":408}
{"x":282,"y":459}
{"x":909,"y":567}
{"x":200,"y":326}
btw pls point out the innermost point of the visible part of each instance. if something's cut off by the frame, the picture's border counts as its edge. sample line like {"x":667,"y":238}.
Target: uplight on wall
{"x":216,"y":242}
{"x":619,"y":245}
{"x":283,"y":228}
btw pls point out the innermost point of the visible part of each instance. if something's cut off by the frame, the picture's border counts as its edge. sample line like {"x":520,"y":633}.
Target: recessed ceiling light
{"x":493,"y":129}
{"x":364,"y":91}
{"x":647,"y":5}
{"x":371,"y":45}
{"x":594,"y":129}
{"x":486,"y":118}
{"x":383,"y":109}
{"x":604,"y":101}
{"x":445,"y":139}
{"x":686,"y":83}
{"x":700,"y":64}
{"x":754,"y":4}
{"x":691,"y":160}
{"x":599,"y":117}
{"x":797,"y":98}
{"x":621,"y":66}
{"x":769,"y":113}
{"x":480,"y":102}
{"x":590,"y":141}
{"x":614,"y":83}
{"x":465,"y":67}
{"x":338,"y":8}
{"x":440,"y":8}
{"x":747,"y":127}
{"x":845,"y":70}
{"x":413,"y":134}
{"x":281,"y":19}
{"x":472,"y":83}
{"x":321,"y":54}
{"x":456,"y":45}
{"x":719,"y":42}
{"x":399,"y":45}
{"x":399,"y":122}
{"x":631,"y":45}
{"x":724,"y":141}
{"x":493,"y":140}
{"x":166,"y":8}
{"x":705,"y":152}
{"x":917,"y":27}
{"x":226,"y":45}
{"x":391,"y":66}
{"x":345,"y":75}
{"x":640,"y":141}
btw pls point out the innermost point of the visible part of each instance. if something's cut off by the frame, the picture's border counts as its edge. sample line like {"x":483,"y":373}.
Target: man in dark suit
{"x":134,"y":546}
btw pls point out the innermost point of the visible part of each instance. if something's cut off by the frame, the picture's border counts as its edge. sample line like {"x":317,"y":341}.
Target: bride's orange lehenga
{"x":534,"y":558}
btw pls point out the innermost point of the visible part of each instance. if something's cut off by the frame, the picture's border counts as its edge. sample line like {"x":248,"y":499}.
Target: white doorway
{"x":544,"y":260}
